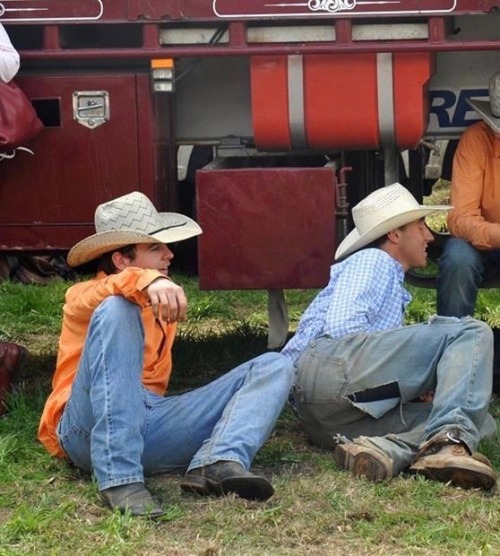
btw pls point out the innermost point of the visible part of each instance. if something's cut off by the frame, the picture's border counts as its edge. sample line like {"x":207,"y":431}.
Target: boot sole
{"x":250,"y":488}
{"x":463,"y":476}
{"x":195,"y":484}
{"x":362,"y":463}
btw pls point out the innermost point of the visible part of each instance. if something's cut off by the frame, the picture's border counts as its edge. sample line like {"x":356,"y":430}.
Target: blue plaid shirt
{"x":365,"y":294}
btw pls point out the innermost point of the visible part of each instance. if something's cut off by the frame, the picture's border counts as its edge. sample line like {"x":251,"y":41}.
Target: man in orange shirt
{"x":107,"y":412}
{"x":472,"y":254}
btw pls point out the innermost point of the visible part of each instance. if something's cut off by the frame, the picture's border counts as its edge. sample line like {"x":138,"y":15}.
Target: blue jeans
{"x":451,"y":357}
{"x":116,"y":428}
{"x":462,"y":269}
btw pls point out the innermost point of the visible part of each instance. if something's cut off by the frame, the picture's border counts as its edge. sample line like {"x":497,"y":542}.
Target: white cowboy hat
{"x":127,"y":220}
{"x":385,"y":209}
{"x":490,"y":111}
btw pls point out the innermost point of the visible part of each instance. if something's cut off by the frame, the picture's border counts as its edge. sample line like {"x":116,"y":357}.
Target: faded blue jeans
{"x":117,"y":429}
{"x":462,"y":269}
{"x":336,"y":379}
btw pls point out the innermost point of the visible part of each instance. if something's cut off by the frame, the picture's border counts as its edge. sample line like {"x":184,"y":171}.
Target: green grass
{"x":47,"y":507}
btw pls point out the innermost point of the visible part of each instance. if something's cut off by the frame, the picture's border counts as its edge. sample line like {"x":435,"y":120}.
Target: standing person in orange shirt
{"x":472,"y":254}
{"x":107,"y":412}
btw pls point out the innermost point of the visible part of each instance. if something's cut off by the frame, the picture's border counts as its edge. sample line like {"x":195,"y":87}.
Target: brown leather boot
{"x":12,"y":358}
{"x":451,"y":462}
{"x":224,"y":477}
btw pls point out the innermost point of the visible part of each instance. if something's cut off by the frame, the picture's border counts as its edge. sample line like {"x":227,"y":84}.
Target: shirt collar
{"x":398,"y":267}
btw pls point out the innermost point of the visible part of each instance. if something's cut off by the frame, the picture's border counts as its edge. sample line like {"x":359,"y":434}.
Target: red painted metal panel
{"x":47,"y":201}
{"x":266,"y":228}
{"x":154,"y":9}
{"x":52,"y":10}
{"x":278,"y":49}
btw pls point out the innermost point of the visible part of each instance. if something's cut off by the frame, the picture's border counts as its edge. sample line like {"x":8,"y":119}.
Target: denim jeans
{"x":451,"y":357}
{"x":116,"y":428}
{"x":462,"y":269}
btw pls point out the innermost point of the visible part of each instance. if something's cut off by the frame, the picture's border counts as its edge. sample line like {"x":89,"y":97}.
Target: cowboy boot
{"x":12,"y":357}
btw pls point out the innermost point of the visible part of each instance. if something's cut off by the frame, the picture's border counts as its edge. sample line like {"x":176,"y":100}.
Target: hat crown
{"x":132,"y":212}
{"x":382,"y":205}
{"x":494,"y":90}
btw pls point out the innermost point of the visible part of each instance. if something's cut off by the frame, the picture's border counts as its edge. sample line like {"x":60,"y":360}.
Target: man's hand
{"x":168,"y":300}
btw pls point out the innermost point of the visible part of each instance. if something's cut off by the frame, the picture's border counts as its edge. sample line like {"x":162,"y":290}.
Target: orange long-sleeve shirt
{"x":475,"y":188}
{"x":80,"y":302}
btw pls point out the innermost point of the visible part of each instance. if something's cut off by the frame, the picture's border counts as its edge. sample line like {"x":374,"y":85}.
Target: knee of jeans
{"x":76,"y":445}
{"x":271,"y":357}
{"x":467,"y":323}
{"x":484,"y":329}
{"x":443,"y":319}
{"x":117,"y":306}
{"x":459,"y":256}
{"x":279,"y":362}
{"x":118,"y":303}
{"x":473,"y":323}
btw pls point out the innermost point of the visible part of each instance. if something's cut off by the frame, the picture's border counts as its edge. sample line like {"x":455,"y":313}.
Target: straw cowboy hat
{"x":383,"y":210}
{"x":127,"y":220}
{"x":490,"y":111}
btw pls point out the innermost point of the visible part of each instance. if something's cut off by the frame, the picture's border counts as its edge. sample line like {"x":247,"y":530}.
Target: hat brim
{"x":97,"y":244}
{"x":355,"y":241}
{"x":483,"y":108}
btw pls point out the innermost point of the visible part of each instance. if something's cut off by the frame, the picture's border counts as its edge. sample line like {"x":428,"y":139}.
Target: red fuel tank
{"x":349,"y":101}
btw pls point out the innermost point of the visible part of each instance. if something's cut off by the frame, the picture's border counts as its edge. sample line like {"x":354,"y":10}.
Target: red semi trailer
{"x":266,"y":118}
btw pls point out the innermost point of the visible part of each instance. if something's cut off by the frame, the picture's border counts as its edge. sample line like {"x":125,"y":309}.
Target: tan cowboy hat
{"x":490,"y":111}
{"x":127,"y":220}
{"x":385,"y":209}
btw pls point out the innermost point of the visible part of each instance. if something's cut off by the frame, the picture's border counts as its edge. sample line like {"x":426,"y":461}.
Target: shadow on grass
{"x":198,"y":358}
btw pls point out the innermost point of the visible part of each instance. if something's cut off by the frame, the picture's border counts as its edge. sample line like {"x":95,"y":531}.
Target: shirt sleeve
{"x":357,"y":298}
{"x":465,"y":220}
{"x":9,"y":57}
{"x":83,"y":298}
